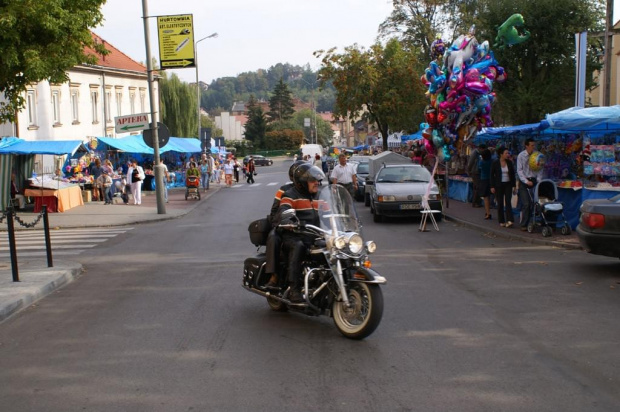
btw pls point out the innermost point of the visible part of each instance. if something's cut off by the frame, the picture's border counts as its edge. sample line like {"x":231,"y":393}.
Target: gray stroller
{"x":547,"y":211}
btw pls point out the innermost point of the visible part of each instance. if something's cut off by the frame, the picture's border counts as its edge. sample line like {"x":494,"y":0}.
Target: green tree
{"x":382,"y":80}
{"x":41,"y":40}
{"x":256,"y":126}
{"x":325,"y":133}
{"x":283,"y":139}
{"x":541,"y":71}
{"x":281,"y":105}
{"x":178,"y":106}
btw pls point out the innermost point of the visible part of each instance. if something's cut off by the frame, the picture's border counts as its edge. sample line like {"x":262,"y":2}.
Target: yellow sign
{"x":176,"y":41}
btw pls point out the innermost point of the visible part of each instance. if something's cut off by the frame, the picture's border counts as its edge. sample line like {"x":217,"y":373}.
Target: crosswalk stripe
{"x":272,"y":184}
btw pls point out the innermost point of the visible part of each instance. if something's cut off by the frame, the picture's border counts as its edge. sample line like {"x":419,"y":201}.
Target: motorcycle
{"x":337,"y":277}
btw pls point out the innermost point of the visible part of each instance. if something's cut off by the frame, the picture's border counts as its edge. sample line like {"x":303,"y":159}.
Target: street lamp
{"x":212,"y":35}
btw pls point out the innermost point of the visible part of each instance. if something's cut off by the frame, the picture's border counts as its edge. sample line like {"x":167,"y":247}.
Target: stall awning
{"x":585,"y":119}
{"x":16,"y":146}
{"x":135,"y":144}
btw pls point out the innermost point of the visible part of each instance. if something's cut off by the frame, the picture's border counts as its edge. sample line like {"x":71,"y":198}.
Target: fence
{"x":10,"y":217}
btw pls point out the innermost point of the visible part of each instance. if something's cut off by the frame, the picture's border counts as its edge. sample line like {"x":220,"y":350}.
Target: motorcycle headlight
{"x":356,"y":244}
{"x":371,"y":246}
{"x":340,"y":242}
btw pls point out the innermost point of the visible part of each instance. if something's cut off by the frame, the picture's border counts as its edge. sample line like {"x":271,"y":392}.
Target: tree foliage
{"x":41,"y":40}
{"x":256,"y":126}
{"x":281,"y":105}
{"x":325,"y":134}
{"x":178,"y":106}
{"x":382,"y":80}
{"x":283,"y":139}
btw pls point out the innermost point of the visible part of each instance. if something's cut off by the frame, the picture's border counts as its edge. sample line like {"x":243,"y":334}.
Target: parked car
{"x":258,"y":160}
{"x":361,"y":173}
{"x":599,"y":226}
{"x":397,"y":191}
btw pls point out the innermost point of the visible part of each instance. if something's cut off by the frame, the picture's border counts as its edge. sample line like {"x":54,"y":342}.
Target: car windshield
{"x":403,"y":175}
{"x":362,"y":168}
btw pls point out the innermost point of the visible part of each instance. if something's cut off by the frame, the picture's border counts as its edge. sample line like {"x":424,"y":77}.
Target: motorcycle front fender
{"x":366,"y":275}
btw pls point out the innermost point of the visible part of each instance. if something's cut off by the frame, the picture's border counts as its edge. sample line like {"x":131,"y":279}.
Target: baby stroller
{"x":546,"y":209}
{"x":192,"y":187}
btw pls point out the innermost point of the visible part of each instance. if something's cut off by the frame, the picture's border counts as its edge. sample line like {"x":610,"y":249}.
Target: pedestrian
{"x":484,"y":185}
{"x":135,"y":175}
{"x":228,"y":172}
{"x":165,"y":179}
{"x":344,"y":174}
{"x":473,"y":171}
{"x":17,"y":194}
{"x":417,"y":157}
{"x":317,"y":161}
{"x":527,"y":180}
{"x":503,"y":186}
{"x":104,"y":182}
{"x":251,"y":170}
{"x":95,"y":172}
{"x":204,"y":174}
{"x":236,"y":168}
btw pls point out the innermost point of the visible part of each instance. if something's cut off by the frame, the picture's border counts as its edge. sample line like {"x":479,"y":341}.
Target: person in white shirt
{"x":135,"y":176}
{"x":344,"y":174}
{"x":527,"y":180}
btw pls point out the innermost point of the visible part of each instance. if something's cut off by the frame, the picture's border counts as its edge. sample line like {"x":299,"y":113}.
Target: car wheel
{"x":377,"y":218}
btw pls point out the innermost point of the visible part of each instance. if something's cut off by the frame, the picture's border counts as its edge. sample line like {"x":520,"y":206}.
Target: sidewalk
{"x":37,"y":280}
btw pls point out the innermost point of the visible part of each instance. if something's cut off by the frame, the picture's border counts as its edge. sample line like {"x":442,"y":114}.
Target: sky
{"x":252,"y":34}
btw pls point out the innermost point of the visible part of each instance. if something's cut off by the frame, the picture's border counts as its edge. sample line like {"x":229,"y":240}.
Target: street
{"x":159,"y":322}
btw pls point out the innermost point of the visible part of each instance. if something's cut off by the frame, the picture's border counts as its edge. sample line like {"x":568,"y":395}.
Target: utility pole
{"x":608,"y":52}
{"x":212,"y":35}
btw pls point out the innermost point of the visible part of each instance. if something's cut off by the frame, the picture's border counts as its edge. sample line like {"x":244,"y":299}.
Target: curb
{"x":507,"y":235}
{"x":25,"y":295}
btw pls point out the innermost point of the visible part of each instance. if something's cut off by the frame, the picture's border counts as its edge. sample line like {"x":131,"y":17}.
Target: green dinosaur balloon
{"x":507,"y":33}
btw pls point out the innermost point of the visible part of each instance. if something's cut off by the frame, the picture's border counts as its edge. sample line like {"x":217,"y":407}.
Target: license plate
{"x":407,"y":206}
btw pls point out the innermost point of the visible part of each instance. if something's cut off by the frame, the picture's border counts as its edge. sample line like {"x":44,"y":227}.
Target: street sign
{"x":205,"y":138}
{"x":131,"y":123}
{"x":176,"y":41}
{"x":219,"y":141}
{"x":163,"y":135}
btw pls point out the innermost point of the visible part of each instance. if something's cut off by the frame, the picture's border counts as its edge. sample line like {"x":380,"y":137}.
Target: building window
{"x":119,"y":100}
{"x":132,"y":102}
{"x":94,"y":102}
{"x":56,"y":106}
{"x":75,"y":113}
{"x":108,"y":97}
{"x":142,"y":102}
{"x":31,"y":101}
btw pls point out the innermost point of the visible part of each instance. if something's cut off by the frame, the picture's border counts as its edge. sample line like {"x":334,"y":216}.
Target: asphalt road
{"x":160,"y":322}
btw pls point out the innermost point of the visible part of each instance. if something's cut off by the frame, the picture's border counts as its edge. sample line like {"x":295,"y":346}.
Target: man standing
{"x":474,"y":172}
{"x":344,"y":174}
{"x":166,"y":178}
{"x":527,"y":180}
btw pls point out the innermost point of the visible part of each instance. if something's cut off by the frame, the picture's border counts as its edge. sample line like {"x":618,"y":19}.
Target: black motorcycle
{"x":337,"y":277}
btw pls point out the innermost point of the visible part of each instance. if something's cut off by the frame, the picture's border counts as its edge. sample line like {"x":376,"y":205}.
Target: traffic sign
{"x":163,"y":135}
{"x":176,"y":41}
{"x":131,"y":123}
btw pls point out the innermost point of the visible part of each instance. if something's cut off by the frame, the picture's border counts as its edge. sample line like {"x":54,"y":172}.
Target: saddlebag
{"x":259,"y":230}
{"x":252,"y":267}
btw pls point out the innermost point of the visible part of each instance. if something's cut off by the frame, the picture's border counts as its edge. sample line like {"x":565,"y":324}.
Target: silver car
{"x":398,"y":189}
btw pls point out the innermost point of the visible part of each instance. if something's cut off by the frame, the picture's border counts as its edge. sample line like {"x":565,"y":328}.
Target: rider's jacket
{"x":305,"y":205}
{"x":276,"y":201}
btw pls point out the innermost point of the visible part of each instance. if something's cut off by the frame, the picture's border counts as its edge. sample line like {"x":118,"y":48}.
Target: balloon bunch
{"x":460,"y":89}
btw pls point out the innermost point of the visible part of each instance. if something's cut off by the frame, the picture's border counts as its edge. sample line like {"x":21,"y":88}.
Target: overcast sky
{"x":252,"y":34}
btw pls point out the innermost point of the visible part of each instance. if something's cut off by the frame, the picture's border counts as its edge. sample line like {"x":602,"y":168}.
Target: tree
{"x":256,"y":126}
{"x":41,"y":40}
{"x":281,"y":103}
{"x":325,"y":133}
{"x":383,"y":81}
{"x":178,"y":106}
{"x":286,"y":139}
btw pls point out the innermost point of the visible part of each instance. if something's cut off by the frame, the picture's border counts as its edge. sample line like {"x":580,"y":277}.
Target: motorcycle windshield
{"x":337,"y":211}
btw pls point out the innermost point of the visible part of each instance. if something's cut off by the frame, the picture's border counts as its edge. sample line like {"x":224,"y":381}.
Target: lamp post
{"x":212,"y":35}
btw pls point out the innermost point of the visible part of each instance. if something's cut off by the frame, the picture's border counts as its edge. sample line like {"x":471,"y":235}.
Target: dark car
{"x":397,"y":191}
{"x":599,"y":226}
{"x":258,"y":160}
{"x":362,"y":174}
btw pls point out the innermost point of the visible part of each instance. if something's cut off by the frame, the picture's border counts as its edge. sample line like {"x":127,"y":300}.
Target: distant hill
{"x":223,"y":92}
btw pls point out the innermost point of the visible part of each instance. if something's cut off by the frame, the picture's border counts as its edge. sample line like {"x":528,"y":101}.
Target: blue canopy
{"x":135,"y":144}
{"x":415,"y":136}
{"x":585,"y":119}
{"x":16,"y":146}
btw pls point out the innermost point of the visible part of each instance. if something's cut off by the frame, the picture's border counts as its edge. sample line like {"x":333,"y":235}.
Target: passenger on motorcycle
{"x":274,"y":240}
{"x":302,"y":198}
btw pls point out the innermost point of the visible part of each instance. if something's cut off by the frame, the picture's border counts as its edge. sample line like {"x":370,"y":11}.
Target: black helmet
{"x":294,"y":166}
{"x":305,"y":173}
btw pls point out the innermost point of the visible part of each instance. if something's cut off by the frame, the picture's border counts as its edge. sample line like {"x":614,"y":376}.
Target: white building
{"x":86,"y":105}
{"x":233,"y":127}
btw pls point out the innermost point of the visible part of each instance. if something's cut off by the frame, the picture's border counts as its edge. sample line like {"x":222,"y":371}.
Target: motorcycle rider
{"x":274,"y":240}
{"x":302,"y":198}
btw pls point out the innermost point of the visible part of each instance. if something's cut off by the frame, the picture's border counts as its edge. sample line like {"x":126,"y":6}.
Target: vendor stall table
{"x":57,"y":200}
{"x":460,"y":189}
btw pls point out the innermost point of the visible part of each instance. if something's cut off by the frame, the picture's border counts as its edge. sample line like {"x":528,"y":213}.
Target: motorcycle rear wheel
{"x":363,"y":316}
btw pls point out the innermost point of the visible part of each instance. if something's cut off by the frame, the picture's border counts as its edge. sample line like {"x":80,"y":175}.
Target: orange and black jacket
{"x":305,"y":205}
{"x":276,"y":201}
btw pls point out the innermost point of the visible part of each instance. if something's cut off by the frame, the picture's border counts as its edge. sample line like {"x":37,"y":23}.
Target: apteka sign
{"x":131,"y":123}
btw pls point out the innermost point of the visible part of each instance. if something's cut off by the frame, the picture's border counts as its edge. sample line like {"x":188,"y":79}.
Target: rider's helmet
{"x":305,"y":173}
{"x":294,"y":166}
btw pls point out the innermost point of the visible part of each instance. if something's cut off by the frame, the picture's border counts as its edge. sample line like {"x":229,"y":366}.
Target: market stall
{"x":56,"y":200}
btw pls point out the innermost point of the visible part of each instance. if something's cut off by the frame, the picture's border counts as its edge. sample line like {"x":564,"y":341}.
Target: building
{"x":85,"y":106}
{"x":594,"y":97}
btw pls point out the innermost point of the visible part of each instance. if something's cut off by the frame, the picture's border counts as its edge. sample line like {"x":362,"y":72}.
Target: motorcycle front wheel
{"x":363,"y":315}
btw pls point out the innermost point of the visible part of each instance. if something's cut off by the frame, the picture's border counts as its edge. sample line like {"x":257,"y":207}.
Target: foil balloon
{"x":536,"y":161}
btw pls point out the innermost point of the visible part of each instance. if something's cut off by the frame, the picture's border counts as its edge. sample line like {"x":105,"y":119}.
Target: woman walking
{"x":228,"y":172}
{"x":503,"y":186}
